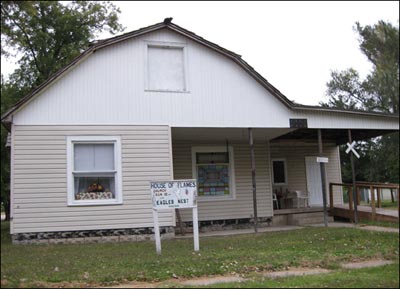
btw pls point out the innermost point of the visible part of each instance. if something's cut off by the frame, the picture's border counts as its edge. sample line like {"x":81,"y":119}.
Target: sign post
{"x":350,"y":148}
{"x":171,"y":195}
{"x":157,"y":231}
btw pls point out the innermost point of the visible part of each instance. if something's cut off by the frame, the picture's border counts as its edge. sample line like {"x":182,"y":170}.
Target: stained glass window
{"x":213,"y":173}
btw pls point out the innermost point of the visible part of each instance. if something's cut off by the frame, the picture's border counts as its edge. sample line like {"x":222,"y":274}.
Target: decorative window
{"x":279,"y":171}
{"x":214,"y":170}
{"x":166,"y":67}
{"x":94,"y":170}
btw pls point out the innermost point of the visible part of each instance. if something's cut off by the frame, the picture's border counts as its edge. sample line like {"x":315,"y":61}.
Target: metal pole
{"x":323,"y":178}
{"x":253,"y":176}
{"x":353,"y":172}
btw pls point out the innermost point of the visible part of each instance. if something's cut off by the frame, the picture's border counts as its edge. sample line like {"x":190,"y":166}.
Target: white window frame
{"x":163,"y":44}
{"x":116,"y":140}
{"x":216,"y":149}
{"x":285,"y":171}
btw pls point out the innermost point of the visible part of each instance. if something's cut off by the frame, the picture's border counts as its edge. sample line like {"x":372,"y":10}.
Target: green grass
{"x":388,"y":204}
{"x":379,"y":277}
{"x":380,"y":224}
{"x":27,"y":265}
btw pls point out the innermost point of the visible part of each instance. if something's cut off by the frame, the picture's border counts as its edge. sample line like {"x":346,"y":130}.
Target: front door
{"x":314,"y":183}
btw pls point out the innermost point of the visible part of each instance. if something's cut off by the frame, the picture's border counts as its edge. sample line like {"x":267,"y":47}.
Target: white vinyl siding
{"x":114,"y":80}
{"x":242,"y":205}
{"x":39,"y":199}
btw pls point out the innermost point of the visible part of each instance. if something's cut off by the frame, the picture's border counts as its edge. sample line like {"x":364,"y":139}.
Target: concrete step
{"x":311,"y":221}
{"x":307,"y":219}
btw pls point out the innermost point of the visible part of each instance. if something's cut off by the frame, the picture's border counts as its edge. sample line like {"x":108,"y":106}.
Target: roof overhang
{"x":338,"y":136}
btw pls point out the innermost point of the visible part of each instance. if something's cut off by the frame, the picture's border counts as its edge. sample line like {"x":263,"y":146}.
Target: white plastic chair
{"x":275,"y":200}
{"x":302,"y":199}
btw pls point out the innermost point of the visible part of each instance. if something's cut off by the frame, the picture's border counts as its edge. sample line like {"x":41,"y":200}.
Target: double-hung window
{"x":94,"y":170}
{"x":213,"y":168}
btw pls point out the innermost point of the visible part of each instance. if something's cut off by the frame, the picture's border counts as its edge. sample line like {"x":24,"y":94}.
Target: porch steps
{"x":299,"y":217}
{"x":307,"y":219}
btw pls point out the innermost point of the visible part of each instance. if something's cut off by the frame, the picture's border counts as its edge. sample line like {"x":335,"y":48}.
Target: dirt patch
{"x":295,"y":272}
{"x":136,"y":285}
{"x":365,"y":264}
{"x":204,"y":281}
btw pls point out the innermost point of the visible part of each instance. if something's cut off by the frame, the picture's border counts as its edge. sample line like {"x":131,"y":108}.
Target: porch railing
{"x":372,"y":187}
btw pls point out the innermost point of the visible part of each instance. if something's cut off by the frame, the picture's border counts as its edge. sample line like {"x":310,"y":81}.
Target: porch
{"x":281,"y":218}
{"x":279,"y":164}
{"x":285,"y":162}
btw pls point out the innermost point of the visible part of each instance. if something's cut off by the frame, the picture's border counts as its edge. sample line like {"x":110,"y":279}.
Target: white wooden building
{"x":156,"y":104}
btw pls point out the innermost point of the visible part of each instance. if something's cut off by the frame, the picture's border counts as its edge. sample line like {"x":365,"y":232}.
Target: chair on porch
{"x":275,"y":201}
{"x":302,"y":199}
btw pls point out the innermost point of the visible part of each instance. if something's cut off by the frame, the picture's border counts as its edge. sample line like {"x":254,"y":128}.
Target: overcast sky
{"x":294,"y":45}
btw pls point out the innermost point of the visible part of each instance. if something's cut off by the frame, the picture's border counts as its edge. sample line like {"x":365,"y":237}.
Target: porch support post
{"x":323,"y":178}
{"x":253,"y":176}
{"x":353,"y":173}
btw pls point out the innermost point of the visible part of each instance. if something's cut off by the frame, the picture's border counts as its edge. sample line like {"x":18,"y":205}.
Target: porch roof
{"x":308,"y":135}
{"x":339,"y":136}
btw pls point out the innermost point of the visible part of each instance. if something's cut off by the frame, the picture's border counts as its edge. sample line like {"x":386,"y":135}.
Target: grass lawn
{"x":100,"y":264}
{"x":387,"y":204}
{"x":379,"y":277}
{"x":380,"y":224}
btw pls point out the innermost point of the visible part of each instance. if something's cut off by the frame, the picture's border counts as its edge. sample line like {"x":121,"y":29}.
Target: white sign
{"x":350,"y":147}
{"x":322,"y":160}
{"x":174,"y":194}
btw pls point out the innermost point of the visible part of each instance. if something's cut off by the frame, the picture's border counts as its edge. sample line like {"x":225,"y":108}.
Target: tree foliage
{"x":379,"y":92}
{"x":48,"y":35}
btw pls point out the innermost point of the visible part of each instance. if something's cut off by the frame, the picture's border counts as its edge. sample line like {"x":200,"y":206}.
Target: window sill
{"x":94,"y":203}
{"x":211,"y":199}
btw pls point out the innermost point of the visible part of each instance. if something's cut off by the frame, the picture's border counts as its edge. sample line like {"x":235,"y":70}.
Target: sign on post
{"x":322,"y":160}
{"x":170,"y":195}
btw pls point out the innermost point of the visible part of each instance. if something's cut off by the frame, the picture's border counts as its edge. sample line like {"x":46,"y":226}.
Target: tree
{"x":48,"y":35}
{"x":379,"y":91}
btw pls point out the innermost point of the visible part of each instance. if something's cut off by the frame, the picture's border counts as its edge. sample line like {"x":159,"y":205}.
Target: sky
{"x":294,"y":45}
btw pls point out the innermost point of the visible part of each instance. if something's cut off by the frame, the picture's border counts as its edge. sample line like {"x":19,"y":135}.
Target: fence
{"x":372,"y":187}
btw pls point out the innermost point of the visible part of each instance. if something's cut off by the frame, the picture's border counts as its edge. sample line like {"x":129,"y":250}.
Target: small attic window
{"x":166,"y":68}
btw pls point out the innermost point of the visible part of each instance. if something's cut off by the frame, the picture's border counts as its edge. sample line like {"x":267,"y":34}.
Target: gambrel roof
{"x":167,"y":24}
